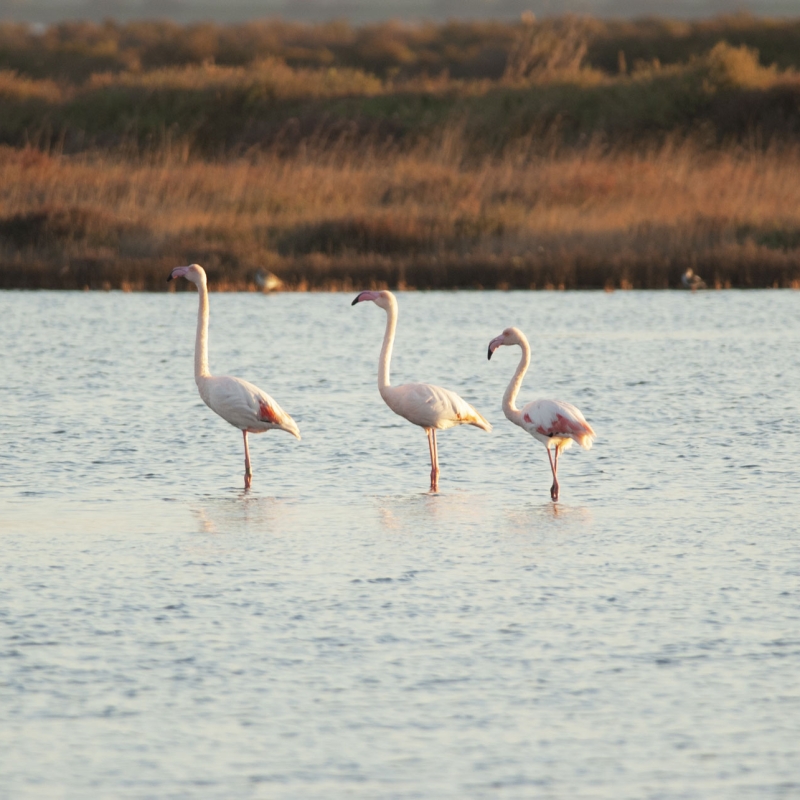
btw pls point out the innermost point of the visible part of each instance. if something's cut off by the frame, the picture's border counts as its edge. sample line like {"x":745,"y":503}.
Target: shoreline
{"x":756,"y":277}
{"x":572,"y":222}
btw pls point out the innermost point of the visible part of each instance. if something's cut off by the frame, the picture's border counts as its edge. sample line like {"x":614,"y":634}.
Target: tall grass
{"x":569,"y":152}
{"x":423,"y":219}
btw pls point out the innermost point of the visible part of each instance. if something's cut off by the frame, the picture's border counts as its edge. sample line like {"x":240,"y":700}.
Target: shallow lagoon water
{"x":338,"y":632}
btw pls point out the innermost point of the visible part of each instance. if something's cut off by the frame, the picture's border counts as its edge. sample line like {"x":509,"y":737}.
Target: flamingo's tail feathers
{"x":276,"y":416}
{"x":290,"y":426}
{"x":479,"y":421}
{"x":587,"y":437}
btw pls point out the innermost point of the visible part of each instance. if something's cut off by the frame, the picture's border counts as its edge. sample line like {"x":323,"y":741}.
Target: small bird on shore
{"x":554,"y":423}
{"x":238,"y":402}
{"x":268,"y":281}
{"x":691,"y":281}
{"x":430,"y":407}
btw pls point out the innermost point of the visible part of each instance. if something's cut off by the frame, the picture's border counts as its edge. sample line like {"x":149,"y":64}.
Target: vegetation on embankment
{"x":569,"y":152}
{"x":424,"y":219}
{"x":223,"y":91}
{"x":72,"y":52}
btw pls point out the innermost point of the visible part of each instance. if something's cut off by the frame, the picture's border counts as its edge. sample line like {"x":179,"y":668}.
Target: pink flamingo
{"x":554,"y":423}
{"x":245,"y":406}
{"x":430,"y":407}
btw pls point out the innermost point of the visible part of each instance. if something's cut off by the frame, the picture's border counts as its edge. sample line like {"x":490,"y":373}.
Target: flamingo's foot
{"x":248,"y":479}
{"x":554,"y":492}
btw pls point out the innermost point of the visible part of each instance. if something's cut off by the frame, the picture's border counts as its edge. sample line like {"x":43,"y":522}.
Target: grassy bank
{"x":72,"y":52}
{"x":216,"y":91}
{"x":724,"y":96}
{"x":425,"y":219}
{"x":566,"y":153}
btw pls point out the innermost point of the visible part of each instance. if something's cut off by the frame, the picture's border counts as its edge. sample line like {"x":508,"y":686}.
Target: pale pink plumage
{"x":554,"y":423}
{"x":238,"y":402}
{"x":431,"y":407}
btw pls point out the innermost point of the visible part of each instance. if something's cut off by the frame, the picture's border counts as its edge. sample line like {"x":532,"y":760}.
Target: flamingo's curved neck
{"x":201,"y":342}
{"x":388,"y":342}
{"x":509,"y":406}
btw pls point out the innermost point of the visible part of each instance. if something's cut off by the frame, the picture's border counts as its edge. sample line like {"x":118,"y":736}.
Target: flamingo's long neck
{"x":388,"y":342}
{"x":201,"y":342}
{"x":509,"y":406}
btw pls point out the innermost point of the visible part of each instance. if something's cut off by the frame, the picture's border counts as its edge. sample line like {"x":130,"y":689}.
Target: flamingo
{"x":554,"y":423}
{"x":238,"y":402}
{"x":430,"y":407}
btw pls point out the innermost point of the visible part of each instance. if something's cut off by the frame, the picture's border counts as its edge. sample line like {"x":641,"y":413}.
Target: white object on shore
{"x":268,"y":281}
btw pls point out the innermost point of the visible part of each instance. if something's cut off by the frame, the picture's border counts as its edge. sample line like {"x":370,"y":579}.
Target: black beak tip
{"x":355,"y":301}
{"x":489,"y":357}
{"x":169,"y":278}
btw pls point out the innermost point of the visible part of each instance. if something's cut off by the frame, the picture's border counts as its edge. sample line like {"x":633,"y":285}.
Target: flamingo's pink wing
{"x":557,"y":418}
{"x":245,"y":406}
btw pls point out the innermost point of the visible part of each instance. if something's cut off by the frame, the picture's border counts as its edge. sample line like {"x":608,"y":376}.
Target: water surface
{"x":339,"y":632}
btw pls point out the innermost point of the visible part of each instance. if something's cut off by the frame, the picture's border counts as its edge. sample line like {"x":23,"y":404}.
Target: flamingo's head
{"x":194,"y":273}
{"x":383,"y":299}
{"x":508,"y":336}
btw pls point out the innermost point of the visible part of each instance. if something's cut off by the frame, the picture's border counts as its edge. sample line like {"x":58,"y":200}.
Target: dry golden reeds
{"x":420,"y":219}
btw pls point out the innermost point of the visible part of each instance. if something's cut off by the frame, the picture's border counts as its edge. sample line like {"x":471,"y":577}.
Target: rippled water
{"x":338,"y":632}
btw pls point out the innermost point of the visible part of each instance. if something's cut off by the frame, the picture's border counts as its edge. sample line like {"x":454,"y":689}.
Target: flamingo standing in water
{"x":554,"y":423}
{"x":430,"y":407}
{"x":245,"y":406}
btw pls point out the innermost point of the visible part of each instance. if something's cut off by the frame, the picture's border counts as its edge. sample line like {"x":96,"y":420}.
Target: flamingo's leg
{"x":248,"y":473}
{"x":432,"y":450}
{"x":554,"y":470}
{"x":555,"y":458}
{"x":435,"y":485}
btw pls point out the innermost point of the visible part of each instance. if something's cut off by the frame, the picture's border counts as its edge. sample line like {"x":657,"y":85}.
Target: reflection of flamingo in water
{"x":554,"y":423}
{"x":430,"y":407}
{"x":243,"y":405}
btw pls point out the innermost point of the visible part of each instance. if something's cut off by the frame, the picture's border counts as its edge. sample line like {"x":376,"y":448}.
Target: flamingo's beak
{"x":364,"y":296}
{"x":494,"y":344}
{"x":178,"y":272}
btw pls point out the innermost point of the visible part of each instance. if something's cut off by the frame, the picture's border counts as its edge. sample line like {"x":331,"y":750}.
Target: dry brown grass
{"x":16,"y":87}
{"x":567,"y":152}
{"x":266,"y":78}
{"x":344,"y":218}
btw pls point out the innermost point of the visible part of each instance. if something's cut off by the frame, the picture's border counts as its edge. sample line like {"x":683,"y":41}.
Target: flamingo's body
{"x":554,"y":423}
{"x":431,"y":407}
{"x":238,"y":402}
